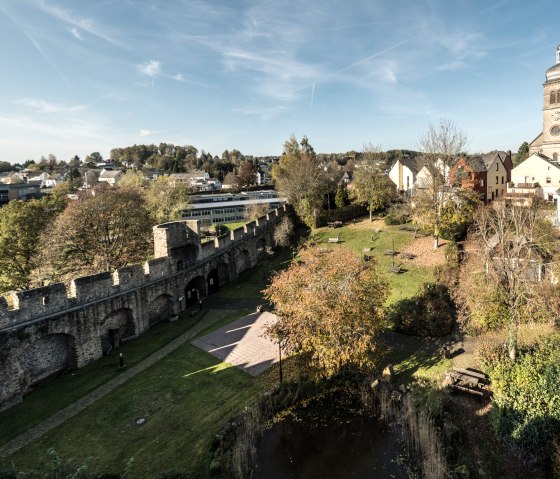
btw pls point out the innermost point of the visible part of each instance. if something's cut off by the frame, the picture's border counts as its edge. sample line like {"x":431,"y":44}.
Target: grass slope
{"x":403,"y":285}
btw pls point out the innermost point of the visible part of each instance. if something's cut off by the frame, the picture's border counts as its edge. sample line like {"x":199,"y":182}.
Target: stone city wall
{"x":45,"y":331}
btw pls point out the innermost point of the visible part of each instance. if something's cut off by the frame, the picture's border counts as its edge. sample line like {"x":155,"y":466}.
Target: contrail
{"x":312,"y":94}
{"x":36,"y":45}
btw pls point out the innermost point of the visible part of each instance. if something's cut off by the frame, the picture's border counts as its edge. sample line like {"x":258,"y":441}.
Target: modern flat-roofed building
{"x":19,"y":191}
{"x":228,"y":207}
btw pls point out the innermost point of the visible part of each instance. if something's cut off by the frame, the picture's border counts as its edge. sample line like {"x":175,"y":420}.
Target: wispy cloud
{"x":85,"y":24}
{"x":145,"y":132}
{"x":151,"y":68}
{"x":41,"y":106}
{"x":178,"y":77}
{"x":74,"y":31}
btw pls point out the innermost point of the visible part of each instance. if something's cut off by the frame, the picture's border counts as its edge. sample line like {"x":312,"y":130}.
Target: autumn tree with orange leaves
{"x":329,"y":305}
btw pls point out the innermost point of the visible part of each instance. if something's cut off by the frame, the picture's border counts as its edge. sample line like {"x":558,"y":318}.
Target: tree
{"x":440,"y":144}
{"x":21,"y":223}
{"x":166,"y":200}
{"x":255,"y":211}
{"x":373,"y":189}
{"x":515,"y":242}
{"x":299,"y":177}
{"x":247,"y":173}
{"x":330,"y":310}
{"x":522,"y":153}
{"x":94,"y":157}
{"x":132,"y":179}
{"x":283,"y":231}
{"x":74,"y":161}
{"x":5,"y":166}
{"x":341,"y":198}
{"x":233,"y":181}
{"x":97,"y":232}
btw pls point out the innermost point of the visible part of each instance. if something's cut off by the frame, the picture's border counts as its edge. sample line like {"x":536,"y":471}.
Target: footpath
{"x":75,"y":408}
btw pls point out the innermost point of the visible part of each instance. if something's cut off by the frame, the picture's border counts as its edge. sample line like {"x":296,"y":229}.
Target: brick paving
{"x":242,"y":343}
{"x":73,"y":409}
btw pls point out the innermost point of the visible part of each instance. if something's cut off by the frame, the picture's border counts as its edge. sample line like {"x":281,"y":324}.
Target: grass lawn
{"x":185,"y":398}
{"x":64,"y":390}
{"x":403,"y":285}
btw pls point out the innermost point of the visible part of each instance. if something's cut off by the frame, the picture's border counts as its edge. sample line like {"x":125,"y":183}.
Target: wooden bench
{"x":334,"y":240}
{"x":467,"y":381}
{"x":408,"y":255}
{"x":395,"y":269}
{"x":390,"y":252}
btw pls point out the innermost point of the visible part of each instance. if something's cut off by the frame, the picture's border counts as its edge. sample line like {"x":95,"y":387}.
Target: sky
{"x":80,"y":76}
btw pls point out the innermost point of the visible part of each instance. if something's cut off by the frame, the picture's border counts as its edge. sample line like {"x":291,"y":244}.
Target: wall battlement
{"x":176,"y":246}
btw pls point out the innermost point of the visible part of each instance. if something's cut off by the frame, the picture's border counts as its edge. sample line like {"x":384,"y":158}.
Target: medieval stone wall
{"x":45,"y":331}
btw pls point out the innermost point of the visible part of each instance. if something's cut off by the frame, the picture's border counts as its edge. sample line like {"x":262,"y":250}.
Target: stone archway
{"x":161,"y":308}
{"x":194,"y":290}
{"x":184,"y":256}
{"x":116,"y":327}
{"x":46,"y":357}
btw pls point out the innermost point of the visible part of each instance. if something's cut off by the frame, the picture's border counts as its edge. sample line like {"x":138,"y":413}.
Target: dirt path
{"x":75,"y":408}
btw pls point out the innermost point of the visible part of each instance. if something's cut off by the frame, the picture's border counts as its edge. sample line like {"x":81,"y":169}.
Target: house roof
{"x":414,"y":164}
{"x":110,"y":173}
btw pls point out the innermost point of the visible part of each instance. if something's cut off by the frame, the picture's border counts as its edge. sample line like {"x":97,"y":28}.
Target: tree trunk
{"x":436,"y":242}
{"x":512,"y":339}
{"x":370,"y":214}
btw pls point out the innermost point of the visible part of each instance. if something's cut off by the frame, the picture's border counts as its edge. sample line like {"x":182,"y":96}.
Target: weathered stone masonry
{"x":47,"y":330}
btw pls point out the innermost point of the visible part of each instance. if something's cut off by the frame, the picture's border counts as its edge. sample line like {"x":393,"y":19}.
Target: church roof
{"x":553,"y":73}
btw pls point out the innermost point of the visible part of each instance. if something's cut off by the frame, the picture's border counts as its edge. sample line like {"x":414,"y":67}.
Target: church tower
{"x":548,"y":142}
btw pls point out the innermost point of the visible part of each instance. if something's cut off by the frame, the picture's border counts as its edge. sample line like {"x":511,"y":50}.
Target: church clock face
{"x":555,"y":115}
{"x":555,"y":130}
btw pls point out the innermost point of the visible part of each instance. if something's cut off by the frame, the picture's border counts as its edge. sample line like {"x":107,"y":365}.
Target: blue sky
{"x":89,"y":75}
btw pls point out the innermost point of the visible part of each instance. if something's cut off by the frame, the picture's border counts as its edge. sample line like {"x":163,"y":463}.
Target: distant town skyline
{"x":84,"y":76}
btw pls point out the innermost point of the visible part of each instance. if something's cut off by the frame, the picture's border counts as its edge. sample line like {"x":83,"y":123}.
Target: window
{"x":496,"y":192}
{"x":554,"y":157}
{"x":502,"y":180}
{"x":497,"y":178}
{"x":552,"y":97}
{"x":45,"y":300}
{"x":548,"y":180}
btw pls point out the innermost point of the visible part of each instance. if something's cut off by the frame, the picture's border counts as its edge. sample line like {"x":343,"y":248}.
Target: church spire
{"x":558,"y":54}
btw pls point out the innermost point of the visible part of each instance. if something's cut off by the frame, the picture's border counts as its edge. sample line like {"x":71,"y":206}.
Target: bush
{"x":430,"y":313}
{"x":7,"y":474}
{"x":393,"y":220}
{"x":527,"y":397}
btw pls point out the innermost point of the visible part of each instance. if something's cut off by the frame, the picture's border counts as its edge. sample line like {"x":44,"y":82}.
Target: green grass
{"x":250,"y":283}
{"x":403,"y":285}
{"x":186,"y":397}
{"x":64,"y":390}
{"x":234,"y":225}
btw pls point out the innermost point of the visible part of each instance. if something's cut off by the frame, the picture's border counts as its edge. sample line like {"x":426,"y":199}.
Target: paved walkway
{"x":242,"y":343}
{"x":70,"y":411}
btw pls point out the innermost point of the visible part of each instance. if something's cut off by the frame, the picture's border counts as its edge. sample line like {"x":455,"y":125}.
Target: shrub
{"x":7,"y":474}
{"x":430,"y":313}
{"x":527,"y":397}
{"x":393,"y":220}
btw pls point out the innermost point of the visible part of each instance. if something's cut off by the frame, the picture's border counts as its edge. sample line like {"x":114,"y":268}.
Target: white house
{"x":403,"y":173}
{"x":538,"y":168}
{"x":111,"y":177}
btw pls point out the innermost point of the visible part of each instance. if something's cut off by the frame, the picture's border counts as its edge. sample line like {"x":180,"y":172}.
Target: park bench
{"x":390,"y":252}
{"x":408,"y":255}
{"x":395,"y":269}
{"x":334,"y":240}
{"x":467,"y":381}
